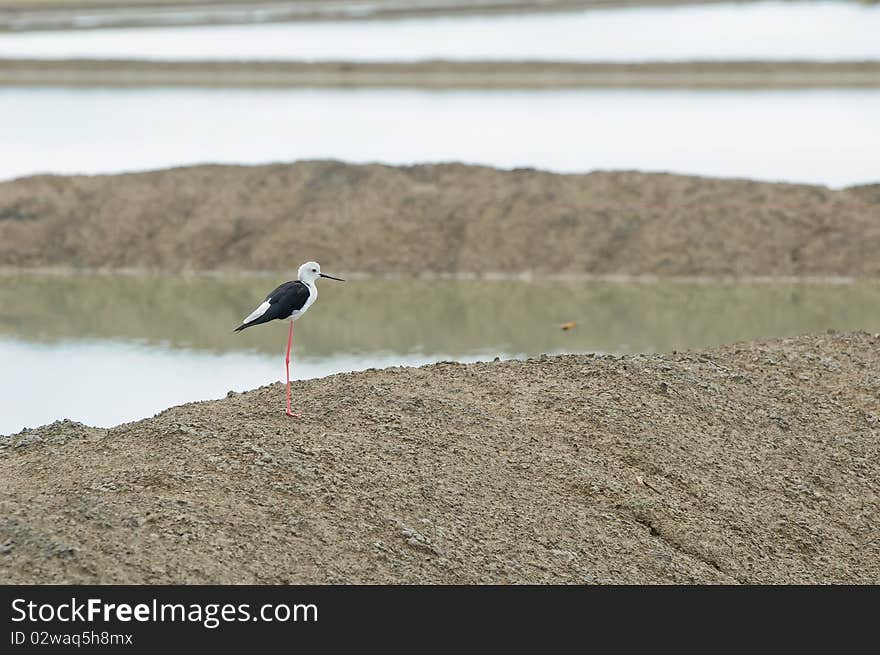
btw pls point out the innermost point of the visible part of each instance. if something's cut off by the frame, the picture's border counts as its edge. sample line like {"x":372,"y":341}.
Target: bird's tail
{"x":240,"y":327}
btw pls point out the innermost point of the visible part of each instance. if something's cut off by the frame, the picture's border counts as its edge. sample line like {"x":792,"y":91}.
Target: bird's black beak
{"x":330,"y":277}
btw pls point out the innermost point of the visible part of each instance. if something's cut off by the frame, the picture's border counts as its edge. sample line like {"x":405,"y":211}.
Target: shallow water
{"x":104,"y":349}
{"x":765,"y":30}
{"x":815,"y":136}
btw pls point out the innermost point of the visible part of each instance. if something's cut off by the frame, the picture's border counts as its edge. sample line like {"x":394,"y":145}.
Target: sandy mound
{"x":759,"y":463}
{"x":440,"y":218}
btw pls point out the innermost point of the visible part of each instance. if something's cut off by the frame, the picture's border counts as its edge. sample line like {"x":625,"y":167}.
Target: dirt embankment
{"x":754,"y":463}
{"x":448,"y":218}
{"x":441,"y":74}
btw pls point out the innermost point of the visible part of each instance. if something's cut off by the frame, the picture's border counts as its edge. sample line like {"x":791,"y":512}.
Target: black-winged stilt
{"x":288,"y":302}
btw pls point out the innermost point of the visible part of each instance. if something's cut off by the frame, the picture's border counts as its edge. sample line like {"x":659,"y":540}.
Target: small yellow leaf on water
{"x":568,"y":326}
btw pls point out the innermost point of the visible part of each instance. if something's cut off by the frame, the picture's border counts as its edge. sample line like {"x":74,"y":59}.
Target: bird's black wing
{"x":283,"y":301}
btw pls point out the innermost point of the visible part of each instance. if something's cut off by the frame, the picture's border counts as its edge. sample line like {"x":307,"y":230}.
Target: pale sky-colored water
{"x":104,"y":383}
{"x":765,"y":30}
{"x":827,"y":136}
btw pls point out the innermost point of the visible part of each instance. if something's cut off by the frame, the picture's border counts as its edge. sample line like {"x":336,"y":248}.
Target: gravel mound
{"x":447,"y":218}
{"x":753,"y":463}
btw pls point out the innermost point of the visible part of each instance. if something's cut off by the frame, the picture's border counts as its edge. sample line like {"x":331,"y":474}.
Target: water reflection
{"x":104,"y":349}
{"x":454,"y":317}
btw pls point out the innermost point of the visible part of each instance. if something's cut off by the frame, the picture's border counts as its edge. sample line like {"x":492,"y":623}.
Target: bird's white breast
{"x":313,"y":296}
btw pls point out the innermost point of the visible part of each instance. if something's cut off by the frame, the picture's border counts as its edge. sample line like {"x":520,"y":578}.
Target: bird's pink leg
{"x":287,"y":366}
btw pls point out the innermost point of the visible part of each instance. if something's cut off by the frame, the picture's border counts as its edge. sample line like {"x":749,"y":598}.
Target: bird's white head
{"x":311,"y":271}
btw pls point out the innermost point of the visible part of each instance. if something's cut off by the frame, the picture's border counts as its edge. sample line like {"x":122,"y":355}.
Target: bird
{"x":288,"y":302}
